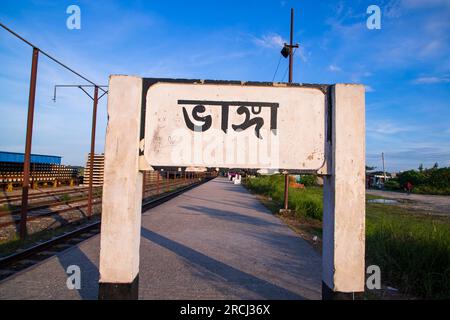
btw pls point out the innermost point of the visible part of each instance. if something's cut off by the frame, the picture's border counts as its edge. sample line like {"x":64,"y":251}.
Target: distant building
{"x":376,"y":179}
{"x":44,"y":170}
{"x":98,"y":168}
{"x":16,"y":157}
{"x":196,"y":169}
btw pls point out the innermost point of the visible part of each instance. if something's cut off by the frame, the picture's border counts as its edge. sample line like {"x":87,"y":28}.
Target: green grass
{"x":65,"y":197}
{"x":412,"y":249}
{"x":306,"y":202}
{"x":12,"y":245}
{"x":431,"y":190}
{"x":372,"y":197}
{"x":8,"y":207}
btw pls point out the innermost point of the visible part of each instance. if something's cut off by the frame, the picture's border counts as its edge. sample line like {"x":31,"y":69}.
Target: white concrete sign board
{"x":171,"y":122}
{"x":235,"y":126}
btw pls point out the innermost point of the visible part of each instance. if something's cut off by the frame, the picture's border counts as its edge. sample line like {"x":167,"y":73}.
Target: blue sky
{"x":405,"y":65}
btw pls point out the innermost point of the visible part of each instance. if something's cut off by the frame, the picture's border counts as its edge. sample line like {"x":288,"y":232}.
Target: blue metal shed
{"x":6,"y":156}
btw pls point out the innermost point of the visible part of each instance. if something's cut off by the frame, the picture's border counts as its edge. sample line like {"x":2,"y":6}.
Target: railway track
{"x":42,"y":205}
{"x":9,"y":199}
{"x":46,"y":208}
{"x":21,"y":260}
{"x":44,"y":194}
{"x":35,"y":216}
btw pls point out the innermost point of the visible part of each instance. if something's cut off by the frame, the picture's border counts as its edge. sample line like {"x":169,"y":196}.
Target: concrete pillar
{"x":343,"y":264}
{"x":122,"y":192}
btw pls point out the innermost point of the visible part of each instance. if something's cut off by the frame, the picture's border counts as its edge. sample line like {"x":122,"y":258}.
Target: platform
{"x":216,"y":241}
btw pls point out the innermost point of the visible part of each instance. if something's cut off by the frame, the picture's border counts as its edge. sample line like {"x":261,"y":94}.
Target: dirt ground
{"x":429,"y":204}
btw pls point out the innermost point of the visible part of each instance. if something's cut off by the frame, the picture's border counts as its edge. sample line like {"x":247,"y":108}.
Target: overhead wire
{"x":50,"y":57}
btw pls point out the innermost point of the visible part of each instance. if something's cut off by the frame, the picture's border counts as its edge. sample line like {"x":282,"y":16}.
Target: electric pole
{"x":29,"y":135}
{"x":290,"y":47}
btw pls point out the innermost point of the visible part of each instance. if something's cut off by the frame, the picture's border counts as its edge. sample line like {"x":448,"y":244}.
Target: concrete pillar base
{"x":329,"y":294}
{"x":119,"y":291}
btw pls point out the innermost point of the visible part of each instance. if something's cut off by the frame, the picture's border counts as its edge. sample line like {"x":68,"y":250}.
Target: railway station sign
{"x":234,"y":125}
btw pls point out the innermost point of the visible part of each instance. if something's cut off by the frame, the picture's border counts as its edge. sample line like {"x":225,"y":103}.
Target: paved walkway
{"x":215,"y":241}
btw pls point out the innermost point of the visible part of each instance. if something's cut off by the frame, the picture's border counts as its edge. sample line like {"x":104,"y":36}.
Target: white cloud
{"x":431,"y":48}
{"x":275,"y":41}
{"x":369,"y":88}
{"x":409,"y":154}
{"x":387,"y":127}
{"x":421,"y":26}
{"x":432,"y":80}
{"x":425,"y":3}
{"x":271,"y":40}
{"x":392,"y":9}
{"x":303,"y":54}
{"x":334,"y":68}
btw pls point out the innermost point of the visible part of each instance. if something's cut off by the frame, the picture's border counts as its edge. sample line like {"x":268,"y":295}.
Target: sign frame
{"x":325,"y":89}
{"x":343,"y":254}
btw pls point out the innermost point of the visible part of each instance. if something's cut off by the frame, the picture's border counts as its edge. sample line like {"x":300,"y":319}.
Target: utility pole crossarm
{"x":80,"y":86}
{"x":95,"y":100}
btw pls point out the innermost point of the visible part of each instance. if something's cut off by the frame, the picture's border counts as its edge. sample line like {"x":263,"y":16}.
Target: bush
{"x":413,"y":176}
{"x":392,"y":184}
{"x":309,"y":180}
{"x":431,"y":181}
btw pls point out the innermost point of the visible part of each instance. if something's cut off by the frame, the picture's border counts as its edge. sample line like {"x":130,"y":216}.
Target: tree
{"x":421,"y":167}
{"x":370,"y":168}
{"x":413,"y":176}
{"x":436,"y":165}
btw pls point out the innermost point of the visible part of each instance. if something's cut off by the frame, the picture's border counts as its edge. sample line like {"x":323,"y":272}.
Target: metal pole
{"x":291,"y":63}
{"x":32,"y":173}
{"x":291,"y":60}
{"x":29,"y":135}
{"x":91,"y":159}
{"x":384,"y":171}
{"x":173,"y":183}
{"x":286,"y":191}
{"x":167,"y":181}
{"x":157,"y":182}
{"x":143,"y":185}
